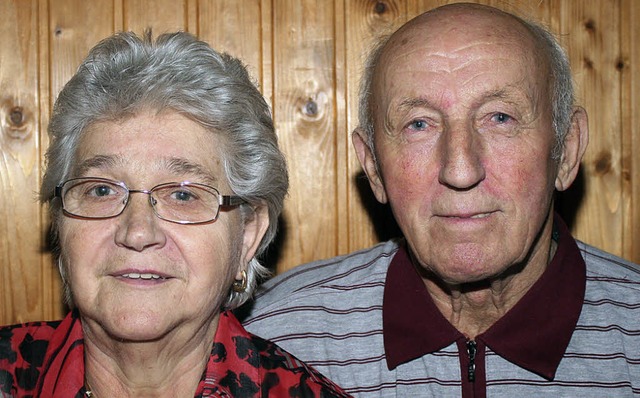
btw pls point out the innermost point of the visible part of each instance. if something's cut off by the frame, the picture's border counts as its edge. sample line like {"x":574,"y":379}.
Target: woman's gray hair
{"x":124,"y":75}
{"x":561,"y":83}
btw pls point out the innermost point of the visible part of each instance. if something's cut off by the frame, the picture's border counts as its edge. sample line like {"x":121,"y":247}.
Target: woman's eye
{"x":101,"y":190}
{"x":183,"y":196}
{"x":501,"y":118}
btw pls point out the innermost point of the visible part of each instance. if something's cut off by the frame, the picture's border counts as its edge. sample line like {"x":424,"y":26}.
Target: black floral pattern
{"x":47,"y":359}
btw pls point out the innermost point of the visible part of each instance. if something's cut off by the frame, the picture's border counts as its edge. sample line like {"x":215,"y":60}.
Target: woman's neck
{"x":169,"y":367}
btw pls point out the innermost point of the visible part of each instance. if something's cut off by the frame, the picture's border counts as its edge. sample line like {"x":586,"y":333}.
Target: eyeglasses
{"x":177,"y":202}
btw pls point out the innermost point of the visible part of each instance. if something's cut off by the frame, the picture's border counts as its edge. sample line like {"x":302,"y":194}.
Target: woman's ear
{"x":254,"y":229}
{"x":575,"y":145}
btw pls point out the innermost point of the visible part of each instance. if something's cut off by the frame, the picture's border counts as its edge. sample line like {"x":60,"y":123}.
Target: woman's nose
{"x":139,"y":227}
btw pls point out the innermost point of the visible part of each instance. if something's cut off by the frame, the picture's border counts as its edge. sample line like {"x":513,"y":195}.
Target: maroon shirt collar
{"x":534,"y":334}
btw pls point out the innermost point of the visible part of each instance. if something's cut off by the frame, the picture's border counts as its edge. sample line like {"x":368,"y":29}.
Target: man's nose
{"x":461,"y":158}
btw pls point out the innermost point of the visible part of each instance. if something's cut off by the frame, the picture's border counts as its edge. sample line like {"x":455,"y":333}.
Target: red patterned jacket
{"x":46,"y":359}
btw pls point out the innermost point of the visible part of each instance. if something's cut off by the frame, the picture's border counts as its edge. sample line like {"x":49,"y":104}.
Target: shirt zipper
{"x":472,"y":349}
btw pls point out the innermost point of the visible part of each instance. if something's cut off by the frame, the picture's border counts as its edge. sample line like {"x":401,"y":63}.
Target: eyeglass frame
{"x":223,"y":200}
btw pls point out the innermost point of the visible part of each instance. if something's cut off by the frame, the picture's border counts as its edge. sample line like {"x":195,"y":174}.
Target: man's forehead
{"x":441,"y":46}
{"x":449,"y":28}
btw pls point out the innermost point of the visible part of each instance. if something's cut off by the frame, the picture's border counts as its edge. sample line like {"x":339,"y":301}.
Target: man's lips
{"x":473,"y":215}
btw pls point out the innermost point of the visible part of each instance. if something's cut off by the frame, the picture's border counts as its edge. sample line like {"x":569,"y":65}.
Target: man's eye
{"x":501,"y":118}
{"x":418,"y":125}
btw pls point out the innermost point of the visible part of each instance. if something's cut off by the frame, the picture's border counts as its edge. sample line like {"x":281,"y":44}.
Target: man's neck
{"x":473,"y":308}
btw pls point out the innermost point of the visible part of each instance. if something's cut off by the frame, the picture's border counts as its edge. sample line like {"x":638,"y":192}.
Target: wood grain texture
{"x":307,"y":56}
{"x":305,"y":112}
{"x":591,"y":35}
{"x":21,"y":270}
{"x":160,"y":16}
{"x":629,"y":65}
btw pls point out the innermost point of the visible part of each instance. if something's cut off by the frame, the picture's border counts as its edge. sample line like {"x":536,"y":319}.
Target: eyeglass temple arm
{"x":231,"y":200}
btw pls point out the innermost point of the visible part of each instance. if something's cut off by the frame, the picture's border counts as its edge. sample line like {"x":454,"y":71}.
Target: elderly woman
{"x":164,"y":181}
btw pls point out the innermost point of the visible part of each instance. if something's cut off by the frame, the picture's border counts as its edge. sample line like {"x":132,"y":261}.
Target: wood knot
{"x":16,"y":116}
{"x":380,"y":7}
{"x":310,"y":108}
{"x":620,"y":64}
{"x":602,"y":164}
{"x":588,"y":63}
{"x":590,"y":25}
{"x":312,"y":104}
{"x":15,"y":122}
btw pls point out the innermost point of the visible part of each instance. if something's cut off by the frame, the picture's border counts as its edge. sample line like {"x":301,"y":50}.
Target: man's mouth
{"x":481,"y":215}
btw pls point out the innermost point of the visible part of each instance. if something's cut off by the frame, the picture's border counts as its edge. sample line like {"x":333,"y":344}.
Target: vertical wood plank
{"x":629,"y":64}
{"x":51,"y":296}
{"x":304,"y":111}
{"x":341,"y":127}
{"x":161,"y":16}
{"x":593,"y":44}
{"x":21,"y":270}
{"x":234,"y":27}
{"x":75,"y":27}
{"x":266,"y":38}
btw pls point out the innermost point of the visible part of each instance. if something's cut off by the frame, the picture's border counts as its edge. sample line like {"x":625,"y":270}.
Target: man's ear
{"x":254,"y":230}
{"x":368,"y":163}
{"x":575,"y":145}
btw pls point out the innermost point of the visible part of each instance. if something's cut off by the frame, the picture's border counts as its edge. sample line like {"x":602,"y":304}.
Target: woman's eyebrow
{"x":97,"y":162}
{"x":184,"y":166}
{"x":178,"y":166}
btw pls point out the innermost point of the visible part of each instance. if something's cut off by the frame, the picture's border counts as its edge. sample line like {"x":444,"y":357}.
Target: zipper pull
{"x":472,"y":349}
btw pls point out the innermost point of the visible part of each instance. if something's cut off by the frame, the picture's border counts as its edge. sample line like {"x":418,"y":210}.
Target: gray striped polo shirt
{"x":330,"y":314}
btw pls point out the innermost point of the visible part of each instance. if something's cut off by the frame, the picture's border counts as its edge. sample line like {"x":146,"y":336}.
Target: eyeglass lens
{"x":183,"y":202}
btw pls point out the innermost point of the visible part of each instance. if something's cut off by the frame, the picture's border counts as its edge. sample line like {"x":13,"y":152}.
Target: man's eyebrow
{"x":414,"y":102}
{"x":509,"y":93}
{"x":403,"y":106}
{"x":504,"y":93}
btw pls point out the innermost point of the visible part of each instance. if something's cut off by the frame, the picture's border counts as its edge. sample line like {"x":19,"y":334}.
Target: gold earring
{"x":239,"y":286}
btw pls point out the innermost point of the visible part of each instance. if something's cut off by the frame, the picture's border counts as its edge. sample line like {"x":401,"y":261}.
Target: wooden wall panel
{"x":307,"y":57}
{"x":630,"y":100}
{"x":304,"y":111}
{"x":21,"y":271}
{"x":234,"y":27}
{"x":590,"y":33}
{"x":74,"y":27}
{"x":160,"y":15}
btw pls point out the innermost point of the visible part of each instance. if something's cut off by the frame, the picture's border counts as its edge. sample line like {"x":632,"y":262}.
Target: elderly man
{"x":467,"y":127}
